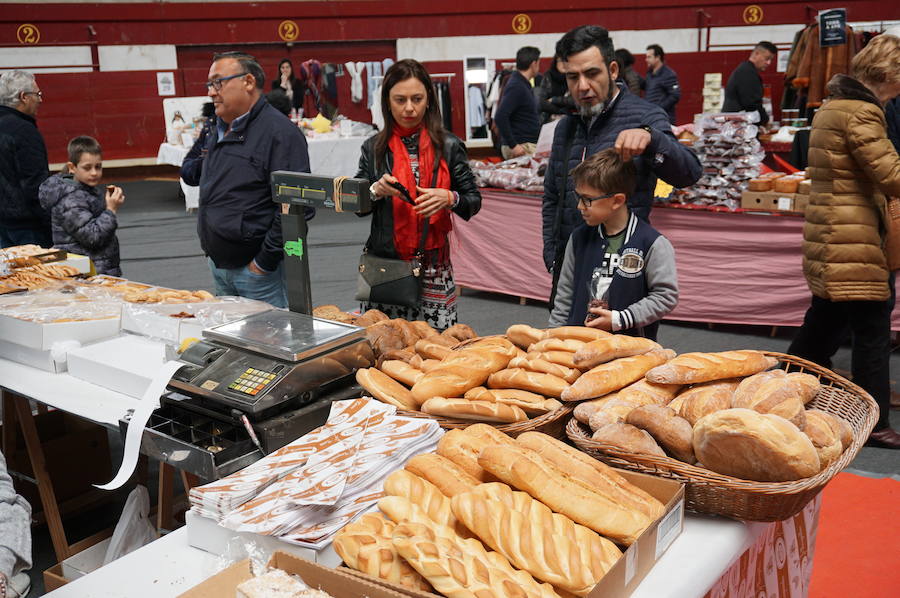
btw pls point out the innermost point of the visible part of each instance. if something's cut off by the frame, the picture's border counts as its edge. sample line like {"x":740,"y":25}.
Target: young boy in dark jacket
{"x":618,"y":273}
{"x":83,"y":214}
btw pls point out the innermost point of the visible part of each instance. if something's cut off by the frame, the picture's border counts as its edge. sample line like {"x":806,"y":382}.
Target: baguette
{"x":540,"y":365}
{"x":545,"y":384}
{"x":401,"y":371}
{"x":463,"y":449}
{"x":578,"y":333}
{"x":458,"y":373}
{"x":706,"y":398}
{"x":691,"y":368}
{"x":523,"y":336}
{"x":431,"y":349}
{"x":595,"y":474}
{"x":443,"y":473}
{"x":612,"y":376}
{"x":384,"y":388}
{"x":671,"y":432}
{"x":399,"y":509}
{"x":612,"y":347}
{"x":661,"y":394}
{"x":489,"y":434}
{"x":563,"y":358}
{"x":531,"y":473}
{"x":483,"y":411}
{"x":629,"y":439}
{"x":365,"y":545}
{"x":614,"y":411}
{"x":549,"y":546}
{"x":423,"y":493}
{"x":529,"y":402}
{"x":460,"y":568}
{"x":569,"y":345}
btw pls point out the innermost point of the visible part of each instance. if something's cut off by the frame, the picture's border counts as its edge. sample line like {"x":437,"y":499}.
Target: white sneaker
{"x":19,"y":585}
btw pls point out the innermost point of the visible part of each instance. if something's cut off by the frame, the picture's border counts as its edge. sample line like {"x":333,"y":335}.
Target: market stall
{"x":726,"y":275}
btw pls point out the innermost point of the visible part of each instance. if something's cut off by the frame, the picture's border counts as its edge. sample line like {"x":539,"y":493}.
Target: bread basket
{"x":710,"y":492}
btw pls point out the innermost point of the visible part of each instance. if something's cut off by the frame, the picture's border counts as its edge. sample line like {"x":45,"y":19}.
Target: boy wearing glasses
{"x":618,"y":273}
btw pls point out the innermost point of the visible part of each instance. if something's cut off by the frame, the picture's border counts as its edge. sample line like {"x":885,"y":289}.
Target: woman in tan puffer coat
{"x":853,"y":166}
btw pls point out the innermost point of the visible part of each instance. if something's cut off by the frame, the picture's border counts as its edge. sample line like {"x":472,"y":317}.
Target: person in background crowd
{"x":288,"y":83}
{"x":552,"y":94}
{"x":23,"y":163}
{"x":661,"y":86}
{"x":853,"y":166}
{"x":744,"y":90}
{"x":238,"y":221}
{"x":280,"y":101}
{"x":631,"y":77}
{"x":517,"y":114}
{"x":15,"y":538}
{"x":192,"y":165}
{"x":82,"y":213}
{"x":637,"y":129}
{"x":416,"y":151}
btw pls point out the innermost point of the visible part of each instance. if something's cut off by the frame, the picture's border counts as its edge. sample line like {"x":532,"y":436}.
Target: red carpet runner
{"x":858,"y":546}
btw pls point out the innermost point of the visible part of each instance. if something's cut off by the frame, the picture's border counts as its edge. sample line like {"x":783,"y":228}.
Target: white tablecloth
{"x":174,"y":155}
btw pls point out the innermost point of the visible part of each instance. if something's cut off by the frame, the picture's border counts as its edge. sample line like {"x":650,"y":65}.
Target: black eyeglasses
{"x":217,"y":83}
{"x":34,"y":93}
{"x":587,"y":201}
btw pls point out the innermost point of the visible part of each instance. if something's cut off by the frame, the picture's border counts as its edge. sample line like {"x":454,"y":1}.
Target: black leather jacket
{"x":381,"y":236}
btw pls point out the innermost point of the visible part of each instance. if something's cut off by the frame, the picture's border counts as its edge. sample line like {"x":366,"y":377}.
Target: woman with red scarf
{"x":415,"y":151}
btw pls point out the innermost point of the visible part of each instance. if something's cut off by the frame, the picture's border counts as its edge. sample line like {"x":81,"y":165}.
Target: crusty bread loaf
{"x":545,"y":384}
{"x":396,"y":354}
{"x":754,"y":446}
{"x":533,"y":364}
{"x":419,"y":491}
{"x":615,"y":411}
{"x":460,"y":371}
{"x":585,"y":409}
{"x":595,"y":474}
{"x":460,"y":568}
{"x":384,"y":335}
{"x":460,"y":332}
{"x":489,"y":434}
{"x":494,"y":343}
{"x":384,"y":388}
{"x":370,"y":317}
{"x":705,"y":398}
{"x":612,"y":376}
{"x":549,"y":546}
{"x":661,"y":394}
{"x":691,"y":368}
{"x":671,"y":432}
{"x":399,"y":509}
{"x":423,"y":329}
{"x":523,"y":336}
{"x":628,"y":438}
{"x":563,"y":358}
{"x":578,"y":333}
{"x":749,"y":385}
{"x":431,"y":349}
{"x":463,"y":449}
{"x":532,"y":404}
{"x":786,"y":184}
{"x":759,"y":185}
{"x":531,"y":473}
{"x":366,"y":545}
{"x":612,"y":347}
{"x":839,"y":426}
{"x":446,"y":475}
{"x":483,"y":411}
{"x":569,"y":345}
{"x":820,"y":427}
{"x":782,"y":395}
{"x":401,"y":371}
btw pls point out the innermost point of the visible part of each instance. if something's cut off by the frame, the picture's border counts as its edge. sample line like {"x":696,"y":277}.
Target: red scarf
{"x":407,"y":223}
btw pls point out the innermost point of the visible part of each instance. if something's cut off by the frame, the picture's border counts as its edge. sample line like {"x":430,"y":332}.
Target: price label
{"x":28,"y":34}
{"x":288,"y":31}
{"x":753,"y":15}
{"x":521,"y":23}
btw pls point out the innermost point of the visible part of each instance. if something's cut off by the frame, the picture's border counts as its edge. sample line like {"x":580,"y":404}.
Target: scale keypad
{"x":252,"y":381}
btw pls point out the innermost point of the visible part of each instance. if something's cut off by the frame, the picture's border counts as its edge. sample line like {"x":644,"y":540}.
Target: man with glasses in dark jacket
{"x":238,"y":221}
{"x":607,"y":117}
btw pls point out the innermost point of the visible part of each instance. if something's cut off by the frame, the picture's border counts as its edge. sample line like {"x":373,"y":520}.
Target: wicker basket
{"x":552,"y":423}
{"x":710,"y":492}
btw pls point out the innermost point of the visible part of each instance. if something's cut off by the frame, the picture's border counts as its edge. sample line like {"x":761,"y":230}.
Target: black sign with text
{"x":833,"y":27}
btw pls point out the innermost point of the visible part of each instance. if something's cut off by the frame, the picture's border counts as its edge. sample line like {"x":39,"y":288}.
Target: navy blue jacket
{"x":661,"y":88}
{"x":23,"y":167}
{"x":518,"y":117}
{"x":238,"y":220}
{"x":664,"y":158}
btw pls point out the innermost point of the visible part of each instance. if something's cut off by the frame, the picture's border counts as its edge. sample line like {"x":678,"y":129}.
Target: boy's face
{"x":597,"y":206}
{"x":89,"y":169}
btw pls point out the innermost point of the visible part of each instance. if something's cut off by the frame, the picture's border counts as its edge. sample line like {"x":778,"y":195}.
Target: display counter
{"x":733,"y":267}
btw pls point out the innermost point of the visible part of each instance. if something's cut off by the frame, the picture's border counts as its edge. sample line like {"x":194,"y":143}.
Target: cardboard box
{"x":626,"y":574}
{"x":770,"y":201}
{"x":334,"y":581}
{"x":53,"y":578}
{"x":712,"y":80}
{"x":32,"y":357}
{"x":87,"y":561}
{"x":126,"y":364}
{"x":42,"y":336}
{"x":206,"y":534}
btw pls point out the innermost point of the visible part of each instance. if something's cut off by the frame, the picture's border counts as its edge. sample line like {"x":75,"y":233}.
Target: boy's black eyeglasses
{"x":587,"y":201}
{"x":217,"y":83}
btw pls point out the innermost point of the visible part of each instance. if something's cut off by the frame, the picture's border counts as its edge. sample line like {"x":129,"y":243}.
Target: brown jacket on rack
{"x":818,"y":65}
{"x":853,"y":166}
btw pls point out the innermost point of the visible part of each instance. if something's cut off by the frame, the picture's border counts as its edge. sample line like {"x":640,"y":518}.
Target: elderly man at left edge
{"x":23,"y":163}
{"x":239,"y":223}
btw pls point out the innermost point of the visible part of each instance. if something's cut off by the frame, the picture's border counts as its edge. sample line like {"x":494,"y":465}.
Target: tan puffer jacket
{"x":853,"y":166}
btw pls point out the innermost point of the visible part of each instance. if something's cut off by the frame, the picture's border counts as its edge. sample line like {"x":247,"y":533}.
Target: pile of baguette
{"x":728,"y":412}
{"x":487,"y":515}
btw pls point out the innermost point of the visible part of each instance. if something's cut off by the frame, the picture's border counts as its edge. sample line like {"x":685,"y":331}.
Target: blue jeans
{"x":10,"y":237}
{"x":244,"y":283}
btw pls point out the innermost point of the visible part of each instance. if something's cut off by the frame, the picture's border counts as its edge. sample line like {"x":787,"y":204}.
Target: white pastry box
{"x":176,"y":322}
{"x":43,"y":360}
{"x":42,"y":335}
{"x":125,"y":364}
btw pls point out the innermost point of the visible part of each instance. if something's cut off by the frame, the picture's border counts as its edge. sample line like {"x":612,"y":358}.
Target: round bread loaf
{"x":749,"y":385}
{"x":706,"y":398}
{"x":825,"y":433}
{"x":671,"y":432}
{"x":754,"y":446}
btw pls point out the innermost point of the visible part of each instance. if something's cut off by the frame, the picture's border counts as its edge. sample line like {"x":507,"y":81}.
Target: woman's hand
{"x":431,"y":201}
{"x":382,"y":187}
{"x":603,"y":321}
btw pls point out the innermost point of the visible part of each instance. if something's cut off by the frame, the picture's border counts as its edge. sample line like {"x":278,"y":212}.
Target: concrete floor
{"x":160,"y":246}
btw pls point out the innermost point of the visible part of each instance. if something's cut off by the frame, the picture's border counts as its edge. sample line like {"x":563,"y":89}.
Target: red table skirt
{"x":733,"y":267}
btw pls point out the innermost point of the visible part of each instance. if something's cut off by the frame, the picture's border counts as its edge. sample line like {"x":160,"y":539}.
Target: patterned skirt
{"x":437,"y":305}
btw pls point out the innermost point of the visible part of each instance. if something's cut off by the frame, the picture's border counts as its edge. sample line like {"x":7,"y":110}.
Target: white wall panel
{"x":138,"y":58}
{"x":42,"y":59}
